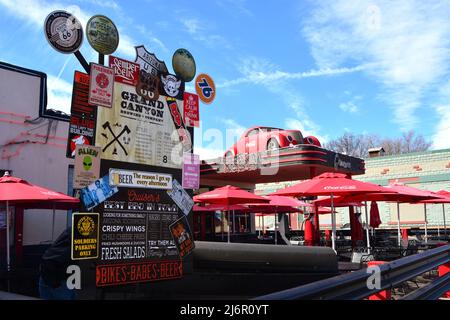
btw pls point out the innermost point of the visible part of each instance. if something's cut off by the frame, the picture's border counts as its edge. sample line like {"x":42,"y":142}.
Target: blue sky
{"x":323,"y":67}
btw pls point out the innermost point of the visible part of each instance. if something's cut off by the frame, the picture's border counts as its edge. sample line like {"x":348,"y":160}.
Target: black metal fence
{"x":354,"y":285}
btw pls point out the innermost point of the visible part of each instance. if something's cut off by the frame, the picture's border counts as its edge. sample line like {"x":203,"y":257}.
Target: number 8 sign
{"x":205,"y":88}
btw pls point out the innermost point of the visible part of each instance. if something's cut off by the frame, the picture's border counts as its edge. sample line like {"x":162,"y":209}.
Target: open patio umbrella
{"x":442,"y":199}
{"x":395,"y":192}
{"x":447,"y":195}
{"x":16,"y":191}
{"x":330,"y":184}
{"x":229,"y":195}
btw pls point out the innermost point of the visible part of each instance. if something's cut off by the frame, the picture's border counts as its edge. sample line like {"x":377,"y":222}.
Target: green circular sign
{"x":183,"y":64}
{"x":102,"y":34}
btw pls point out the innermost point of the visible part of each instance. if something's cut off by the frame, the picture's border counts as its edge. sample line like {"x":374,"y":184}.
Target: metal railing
{"x":353,"y":286}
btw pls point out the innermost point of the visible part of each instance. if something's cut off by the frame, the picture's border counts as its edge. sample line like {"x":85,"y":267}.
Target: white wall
{"x":34,"y":159}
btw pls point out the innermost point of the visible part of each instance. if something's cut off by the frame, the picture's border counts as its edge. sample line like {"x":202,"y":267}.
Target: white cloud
{"x":192,"y":25}
{"x":262,"y":72}
{"x":306,"y":128}
{"x":208,"y":153}
{"x":349,"y":107}
{"x":441,"y":137}
{"x":404,"y":44}
{"x":198,"y":30}
{"x":59,"y":94}
{"x":257,"y":73}
{"x":235,"y":6}
{"x":36,"y":12}
{"x":126,"y":46}
{"x":148,"y":34}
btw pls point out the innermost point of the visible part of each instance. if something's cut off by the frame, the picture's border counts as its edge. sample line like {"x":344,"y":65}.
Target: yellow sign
{"x":85,"y":234}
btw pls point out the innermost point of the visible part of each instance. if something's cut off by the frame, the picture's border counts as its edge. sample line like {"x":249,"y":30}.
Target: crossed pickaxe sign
{"x":116,"y":138}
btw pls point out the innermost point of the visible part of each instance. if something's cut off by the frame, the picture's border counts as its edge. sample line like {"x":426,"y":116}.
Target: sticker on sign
{"x":181,"y":197}
{"x":139,"y":179}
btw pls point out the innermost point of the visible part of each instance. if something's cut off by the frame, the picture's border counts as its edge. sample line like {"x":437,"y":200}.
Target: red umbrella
{"x":229,"y":195}
{"x":444,"y":197}
{"x":330,"y":184}
{"x":397,"y":192}
{"x":16,"y":191}
{"x":219,"y":207}
{"x":375,"y":220}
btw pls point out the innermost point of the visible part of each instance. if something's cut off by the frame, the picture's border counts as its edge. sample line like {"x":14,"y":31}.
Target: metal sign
{"x":82,"y":115}
{"x":182,"y":237}
{"x":127,"y":273}
{"x":191,"y":171}
{"x":139,"y":179}
{"x":205,"y":88}
{"x":85,"y":236}
{"x":139,"y":131}
{"x":102,"y":34}
{"x":63,"y":31}
{"x":101,"y":85}
{"x":149,"y":63}
{"x":125,"y":71}
{"x":183,"y":64}
{"x":191,"y":112}
{"x":87,"y":165}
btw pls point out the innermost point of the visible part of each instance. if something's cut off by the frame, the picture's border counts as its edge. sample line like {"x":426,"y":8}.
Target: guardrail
{"x":353,"y":286}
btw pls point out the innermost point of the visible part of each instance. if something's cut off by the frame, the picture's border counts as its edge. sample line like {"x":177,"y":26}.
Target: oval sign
{"x":63,"y":31}
{"x":205,"y":88}
{"x":102,"y":34}
{"x":183,"y":64}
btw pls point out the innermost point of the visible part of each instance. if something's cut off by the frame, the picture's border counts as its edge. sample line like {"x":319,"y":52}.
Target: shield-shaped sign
{"x":149,"y":62}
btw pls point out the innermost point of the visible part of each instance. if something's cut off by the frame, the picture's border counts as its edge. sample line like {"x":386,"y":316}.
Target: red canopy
{"x":219,"y":207}
{"x":394,"y":193}
{"x":229,"y":195}
{"x":20,"y":192}
{"x":329,"y":183}
{"x":287,"y":201}
{"x":443,"y":197}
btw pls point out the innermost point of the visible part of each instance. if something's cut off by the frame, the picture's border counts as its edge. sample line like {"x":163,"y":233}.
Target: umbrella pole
{"x":367,"y":230}
{"x":234,"y":229}
{"x":445,"y":224}
{"x":333,"y":225}
{"x":53,"y":223}
{"x":276,"y":226}
{"x":426,"y":222}
{"x":228,"y":225}
{"x":8,"y":257}
{"x":398,"y":225}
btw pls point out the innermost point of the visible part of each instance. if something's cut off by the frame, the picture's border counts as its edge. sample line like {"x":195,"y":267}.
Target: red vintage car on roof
{"x":258,"y":139}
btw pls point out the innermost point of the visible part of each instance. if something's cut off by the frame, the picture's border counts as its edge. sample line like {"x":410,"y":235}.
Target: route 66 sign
{"x":205,"y":88}
{"x":149,"y":63}
{"x":63,"y":31}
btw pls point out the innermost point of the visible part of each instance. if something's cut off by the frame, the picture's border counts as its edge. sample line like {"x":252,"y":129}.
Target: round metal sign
{"x":102,"y":34}
{"x":205,"y":88}
{"x":63,"y":31}
{"x":183,"y":64}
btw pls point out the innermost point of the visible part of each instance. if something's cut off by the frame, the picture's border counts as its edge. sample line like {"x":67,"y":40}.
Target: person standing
{"x":53,"y":270}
